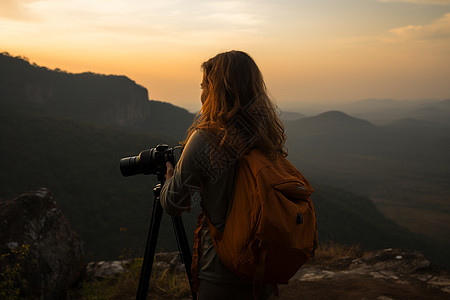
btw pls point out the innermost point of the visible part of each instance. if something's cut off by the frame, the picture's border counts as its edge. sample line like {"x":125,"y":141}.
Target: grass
{"x":328,"y":252}
{"x":12,"y":285}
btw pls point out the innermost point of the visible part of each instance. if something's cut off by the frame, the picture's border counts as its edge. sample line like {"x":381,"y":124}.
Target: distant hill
{"x":403,"y":167}
{"x":290,"y":116}
{"x":330,"y":127}
{"x":411,"y":122}
{"x":438,"y":113}
{"x":103,"y":99}
{"x":385,"y":111}
{"x":335,"y":133}
{"x":331,"y":121}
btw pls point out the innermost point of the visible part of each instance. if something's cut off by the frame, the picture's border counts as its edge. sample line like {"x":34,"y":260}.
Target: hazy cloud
{"x":440,"y":29}
{"x":16,"y":9}
{"x":232,"y":13}
{"x":158,"y":18}
{"x":442,"y":2}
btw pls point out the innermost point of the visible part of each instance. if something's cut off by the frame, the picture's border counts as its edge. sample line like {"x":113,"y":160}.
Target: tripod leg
{"x":184,"y":249}
{"x":150,"y":248}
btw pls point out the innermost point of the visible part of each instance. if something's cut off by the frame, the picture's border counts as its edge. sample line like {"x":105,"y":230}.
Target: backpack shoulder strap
{"x":195,"y":253}
{"x":231,"y":200}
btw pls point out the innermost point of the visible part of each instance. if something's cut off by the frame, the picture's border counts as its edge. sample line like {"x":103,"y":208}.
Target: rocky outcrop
{"x":163,"y":261}
{"x":41,"y":256}
{"x":389,"y":274}
{"x":106,"y":269}
{"x":384,"y":274}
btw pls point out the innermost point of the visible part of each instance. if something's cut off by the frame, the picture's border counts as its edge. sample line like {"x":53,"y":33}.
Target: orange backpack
{"x":271,"y":228}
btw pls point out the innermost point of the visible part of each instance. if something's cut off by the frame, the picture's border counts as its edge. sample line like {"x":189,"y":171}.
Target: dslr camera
{"x":151,"y":161}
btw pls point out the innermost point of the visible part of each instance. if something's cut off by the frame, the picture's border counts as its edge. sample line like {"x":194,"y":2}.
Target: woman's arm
{"x":183,"y":185}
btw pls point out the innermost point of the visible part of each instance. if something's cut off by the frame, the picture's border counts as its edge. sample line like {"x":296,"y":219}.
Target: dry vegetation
{"x":330,"y":251}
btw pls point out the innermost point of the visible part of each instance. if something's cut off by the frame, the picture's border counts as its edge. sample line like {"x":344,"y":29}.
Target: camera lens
{"x":141,"y":164}
{"x":129,"y":165}
{"x":152,"y":161}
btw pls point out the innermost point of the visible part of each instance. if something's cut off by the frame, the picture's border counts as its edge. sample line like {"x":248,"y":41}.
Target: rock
{"x":382,"y":274}
{"x":170,"y":260}
{"x":343,"y":262}
{"x":106,"y":269}
{"x":442,"y":282}
{"x":40,"y":252}
{"x":164,"y":261}
{"x":398,"y":260}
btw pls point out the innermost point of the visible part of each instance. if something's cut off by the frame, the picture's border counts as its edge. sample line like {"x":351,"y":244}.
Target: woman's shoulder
{"x":198,"y":142}
{"x":202,"y":136}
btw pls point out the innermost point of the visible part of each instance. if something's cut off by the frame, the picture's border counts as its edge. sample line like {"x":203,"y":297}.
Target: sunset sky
{"x":310,"y":51}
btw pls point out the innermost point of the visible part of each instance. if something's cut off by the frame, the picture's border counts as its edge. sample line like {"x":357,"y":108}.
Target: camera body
{"x":151,"y":161}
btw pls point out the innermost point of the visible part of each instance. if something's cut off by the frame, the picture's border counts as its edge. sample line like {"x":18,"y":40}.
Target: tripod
{"x":182,"y":242}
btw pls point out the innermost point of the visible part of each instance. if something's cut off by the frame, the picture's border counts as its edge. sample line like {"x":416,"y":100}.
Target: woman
{"x":237,"y":116}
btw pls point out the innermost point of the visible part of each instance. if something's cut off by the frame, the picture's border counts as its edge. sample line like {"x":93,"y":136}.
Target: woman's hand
{"x":169,"y":171}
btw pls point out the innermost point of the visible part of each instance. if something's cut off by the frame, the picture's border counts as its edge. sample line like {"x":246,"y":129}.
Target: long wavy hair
{"x":236,"y":108}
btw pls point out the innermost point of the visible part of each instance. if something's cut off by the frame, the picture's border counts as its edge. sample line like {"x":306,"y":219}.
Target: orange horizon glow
{"x":309,"y":52}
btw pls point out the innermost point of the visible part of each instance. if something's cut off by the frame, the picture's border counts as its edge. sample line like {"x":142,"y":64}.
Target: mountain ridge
{"x":106,"y":99}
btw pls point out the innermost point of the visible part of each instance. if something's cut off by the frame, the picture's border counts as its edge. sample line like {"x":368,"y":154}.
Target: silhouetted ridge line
{"x":104,"y":99}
